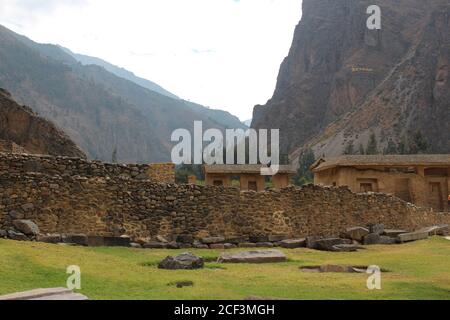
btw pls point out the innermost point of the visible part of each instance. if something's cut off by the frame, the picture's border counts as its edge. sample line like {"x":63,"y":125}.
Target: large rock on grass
{"x":27,"y":227}
{"x":256,"y":256}
{"x":441,"y":230}
{"x":413,"y":236}
{"x":356,"y":233}
{"x":293,"y":243}
{"x":18,"y":236}
{"x":52,"y":238}
{"x":184,"y":261}
{"x":328,"y":244}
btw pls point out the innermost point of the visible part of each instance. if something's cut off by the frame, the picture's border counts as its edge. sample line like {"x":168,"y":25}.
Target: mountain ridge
{"x":100,"y":111}
{"x":343,"y":83}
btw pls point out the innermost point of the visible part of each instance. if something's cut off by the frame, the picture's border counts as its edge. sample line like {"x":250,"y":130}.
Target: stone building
{"x":249,"y":176}
{"x":420,"y":179}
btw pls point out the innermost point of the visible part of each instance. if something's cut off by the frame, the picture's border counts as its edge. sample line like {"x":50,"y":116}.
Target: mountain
{"x":224,"y":118}
{"x":120,"y":72}
{"x":247,"y":122}
{"x":342,"y":84}
{"x":20,"y":125}
{"x":99,"y":110}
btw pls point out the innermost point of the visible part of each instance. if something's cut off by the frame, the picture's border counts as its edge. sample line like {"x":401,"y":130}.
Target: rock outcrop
{"x":341,"y":82}
{"x":20,"y":126}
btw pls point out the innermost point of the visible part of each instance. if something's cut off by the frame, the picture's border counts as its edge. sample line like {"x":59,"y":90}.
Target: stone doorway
{"x":436,"y":196}
{"x":252,"y":186}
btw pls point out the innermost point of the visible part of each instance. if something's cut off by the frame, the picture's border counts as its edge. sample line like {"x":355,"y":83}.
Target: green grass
{"x":419,"y":270}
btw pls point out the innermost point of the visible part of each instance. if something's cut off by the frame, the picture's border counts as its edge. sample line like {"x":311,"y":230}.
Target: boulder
{"x":277,"y":237}
{"x":78,"y":239}
{"x":356,"y":233}
{"x":230,"y":246}
{"x":51,"y":238}
{"x":327,"y":244}
{"x":18,"y":236}
{"x":161,"y":239}
{"x":143,"y":241}
{"x":372,"y":238}
{"x":311,"y":240}
{"x":185,"y":238}
{"x":184,"y":261}
{"x":293,"y":243}
{"x":259,"y":238}
{"x":393,"y":233}
{"x":346,"y":248}
{"x":185,"y":245}
{"x":377,"y":228}
{"x":172,"y":245}
{"x":135,"y":245}
{"x":123,"y":241}
{"x":27,"y":227}
{"x":96,"y":241}
{"x":3,"y":233}
{"x":257,"y":256}
{"x":213,"y":240}
{"x":155,"y":245}
{"x":441,"y":230}
{"x":27,"y":207}
{"x":15,"y":215}
{"x":236,"y":239}
{"x":387,"y":240}
{"x":413,"y":236}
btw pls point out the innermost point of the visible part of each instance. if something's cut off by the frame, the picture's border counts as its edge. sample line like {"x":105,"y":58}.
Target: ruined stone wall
{"x":11,"y":147}
{"x":140,"y":208}
{"x":162,"y":172}
{"x":66,"y":166}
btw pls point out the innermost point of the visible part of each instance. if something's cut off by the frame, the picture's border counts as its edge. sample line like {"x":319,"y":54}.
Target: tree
{"x":114,"y":155}
{"x":372,"y":146}
{"x":391,"y":148}
{"x":361,"y":149}
{"x":418,"y":144}
{"x":401,"y":146}
{"x":304,"y":174}
{"x":183,"y":171}
{"x":349,"y":148}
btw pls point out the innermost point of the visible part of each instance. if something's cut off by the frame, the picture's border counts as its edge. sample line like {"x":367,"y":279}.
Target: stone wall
{"x":10,"y":147}
{"x":66,"y":166}
{"x":117,"y":205}
{"x":162,"y":172}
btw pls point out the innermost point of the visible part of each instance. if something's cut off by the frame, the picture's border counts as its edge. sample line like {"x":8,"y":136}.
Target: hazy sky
{"x":221,"y":53}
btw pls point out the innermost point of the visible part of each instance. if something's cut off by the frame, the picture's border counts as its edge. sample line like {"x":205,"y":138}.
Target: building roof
{"x":244,"y":169}
{"x":381,"y":160}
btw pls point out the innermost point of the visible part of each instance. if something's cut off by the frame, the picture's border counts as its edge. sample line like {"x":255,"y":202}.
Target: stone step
{"x":413,"y":236}
{"x":45,"y":294}
{"x":70,"y":296}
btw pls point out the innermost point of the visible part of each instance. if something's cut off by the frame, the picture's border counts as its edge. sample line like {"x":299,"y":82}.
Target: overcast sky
{"x":220,"y":53}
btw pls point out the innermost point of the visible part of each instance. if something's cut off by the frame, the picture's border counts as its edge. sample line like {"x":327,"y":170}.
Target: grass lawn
{"x":419,"y":270}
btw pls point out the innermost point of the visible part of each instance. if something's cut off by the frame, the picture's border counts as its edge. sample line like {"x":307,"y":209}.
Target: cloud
{"x":223,"y":53}
{"x":26,"y":13}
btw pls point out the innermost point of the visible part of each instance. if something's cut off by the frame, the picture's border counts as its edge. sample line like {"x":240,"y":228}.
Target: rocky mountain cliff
{"x":20,"y":125}
{"x":102,"y":112}
{"x":342,"y":83}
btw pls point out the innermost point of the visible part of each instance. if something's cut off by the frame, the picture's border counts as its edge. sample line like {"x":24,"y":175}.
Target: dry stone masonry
{"x":73,"y":196}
